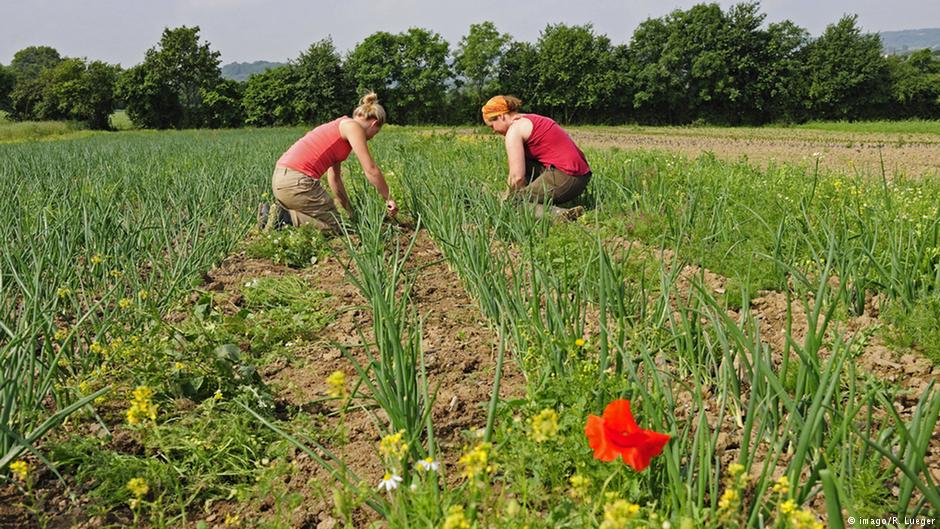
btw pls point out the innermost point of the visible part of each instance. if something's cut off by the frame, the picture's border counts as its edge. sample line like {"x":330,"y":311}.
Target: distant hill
{"x":240,"y":71}
{"x":908,"y":40}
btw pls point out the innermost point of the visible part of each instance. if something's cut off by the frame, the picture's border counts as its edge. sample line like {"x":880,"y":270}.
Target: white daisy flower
{"x":390,"y":482}
{"x":429,"y":464}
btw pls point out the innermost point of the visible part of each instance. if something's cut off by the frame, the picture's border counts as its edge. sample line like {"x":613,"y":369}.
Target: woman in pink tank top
{"x":299,"y":194}
{"x":544,"y":162}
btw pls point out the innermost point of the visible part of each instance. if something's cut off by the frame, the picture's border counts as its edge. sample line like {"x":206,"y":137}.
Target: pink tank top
{"x":317,"y":151}
{"x":551,"y":145}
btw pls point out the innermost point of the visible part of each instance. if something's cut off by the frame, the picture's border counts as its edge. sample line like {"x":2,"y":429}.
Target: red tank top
{"x":317,"y":151}
{"x":551,"y":145}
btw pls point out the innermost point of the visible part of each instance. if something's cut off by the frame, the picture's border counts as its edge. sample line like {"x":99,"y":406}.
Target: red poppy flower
{"x":616,"y":433}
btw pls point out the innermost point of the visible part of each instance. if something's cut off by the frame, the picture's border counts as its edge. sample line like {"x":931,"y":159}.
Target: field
{"x":164,"y":364}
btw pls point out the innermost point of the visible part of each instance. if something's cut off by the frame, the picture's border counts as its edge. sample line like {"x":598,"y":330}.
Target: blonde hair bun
{"x":370,"y":108}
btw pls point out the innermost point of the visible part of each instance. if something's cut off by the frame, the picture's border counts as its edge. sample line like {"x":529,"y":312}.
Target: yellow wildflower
{"x":142,"y":406}
{"x":179,"y":366}
{"x":217,"y":395}
{"x":96,"y":259}
{"x":138,"y":487}
{"x":124,"y":303}
{"x":143,"y":295}
{"x":456,"y":519}
{"x":392,"y":445}
{"x":618,"y":514}
{"x":728,"y":500}
{"x":63,"y":292}
{"x":232,"y":520}
{"x":580,"y":486}
{"x":544,"y":425}
{"x":96,"y":347}
{"x":61,"y":334}
{"x":20,"y":469}
{"x":475,"y":461}
{"x":788,"y":506}
{"x":735,"y":469}
{"x":580,"y":342}
{"x":337,"y":384}
{"x":782,"y":486}
{"x":116,"y":273}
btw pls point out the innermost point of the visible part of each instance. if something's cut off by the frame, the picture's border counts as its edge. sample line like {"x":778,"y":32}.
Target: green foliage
{"x":915,"y":326}
{"x":167,"y":90}
{"x":320,"y":93}
{"x":74,"y":90}
{"x":706,"y":64}
{"x":477,"y":58}
{"x":296,"y":247}
{"x":518,"y":71}
{"x":576,"y":73}
{"x":310,"y":89}
{"x":915,"y":85}
{"x":223,"y":105}
{"x":269,"y":98}
{"x":29,"y":63}
{"x":184,"y":460}
{"x":846,"y":75}
{"x":408,"y":71}
{"x":7,"y":82}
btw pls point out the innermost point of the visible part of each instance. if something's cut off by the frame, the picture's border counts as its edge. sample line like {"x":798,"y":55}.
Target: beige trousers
{"x":546,"y":183}
{"x":305,"y":199}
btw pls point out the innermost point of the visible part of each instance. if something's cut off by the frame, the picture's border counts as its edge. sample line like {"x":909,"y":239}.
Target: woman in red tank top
{"x":298,"y":192}
{"x":544,"y":162}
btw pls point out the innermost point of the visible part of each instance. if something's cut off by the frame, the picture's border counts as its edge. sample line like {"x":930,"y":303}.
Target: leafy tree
{"x":28,"y":66}
{"x":269,"y":98}
{"x":320,"y":93}
{"x":656,"y":88}
{"x":7,"y":82}
{"x":80,"y":91}
{"x":167,"y":89}
{"x":576,"y":73}
{"x":782,"y":74}
{"x":223,"y":105}
{"x":478,"y":56}
{"x":846,"y":74}
{"x":29,"y":63}
{"x":409,"y":71}
{"x":518,"y":72}
{"x":150,"y":103}
{"x":915,"y":85}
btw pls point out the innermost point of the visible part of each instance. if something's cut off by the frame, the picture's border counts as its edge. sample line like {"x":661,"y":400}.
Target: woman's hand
{"x":392,"y":207}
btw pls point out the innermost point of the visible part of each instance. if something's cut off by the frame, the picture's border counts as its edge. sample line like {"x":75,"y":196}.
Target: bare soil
{"x":460,"y":350}
{"x":909,"y":155}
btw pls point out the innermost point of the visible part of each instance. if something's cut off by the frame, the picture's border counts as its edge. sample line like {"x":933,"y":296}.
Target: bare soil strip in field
{"x":460,"y":350}
{"x":910,"y":155}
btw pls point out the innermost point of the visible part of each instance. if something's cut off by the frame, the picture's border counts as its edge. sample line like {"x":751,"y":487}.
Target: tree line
{"x":701,"y":65}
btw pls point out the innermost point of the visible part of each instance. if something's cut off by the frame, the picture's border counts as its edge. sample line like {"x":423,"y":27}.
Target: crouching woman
{"x":296,"y":182}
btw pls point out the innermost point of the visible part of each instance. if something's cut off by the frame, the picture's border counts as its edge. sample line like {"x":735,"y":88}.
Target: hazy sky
{"x":120,"y":31}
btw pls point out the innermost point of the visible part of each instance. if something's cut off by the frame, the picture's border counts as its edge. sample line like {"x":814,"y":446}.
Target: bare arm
{"x":335,"y":179}
{"x":515,"y":150}
{"x":357,"y":139}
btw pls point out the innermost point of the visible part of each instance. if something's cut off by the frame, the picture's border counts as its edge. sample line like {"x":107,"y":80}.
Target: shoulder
{"x":349,"y":128}
{"x":521,"y":127}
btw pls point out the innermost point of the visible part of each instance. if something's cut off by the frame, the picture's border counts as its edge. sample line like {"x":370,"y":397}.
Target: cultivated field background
{"x":768,"y":297}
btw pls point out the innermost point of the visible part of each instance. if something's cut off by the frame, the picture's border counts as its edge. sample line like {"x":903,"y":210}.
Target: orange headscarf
{"x":496,"y":106}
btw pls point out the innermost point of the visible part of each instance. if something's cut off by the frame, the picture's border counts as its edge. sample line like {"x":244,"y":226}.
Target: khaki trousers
{"x":305,"y":199}
{"x":551,"y":183}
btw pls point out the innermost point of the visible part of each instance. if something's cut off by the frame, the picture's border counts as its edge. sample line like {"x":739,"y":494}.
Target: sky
{"x":121,"y":31}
